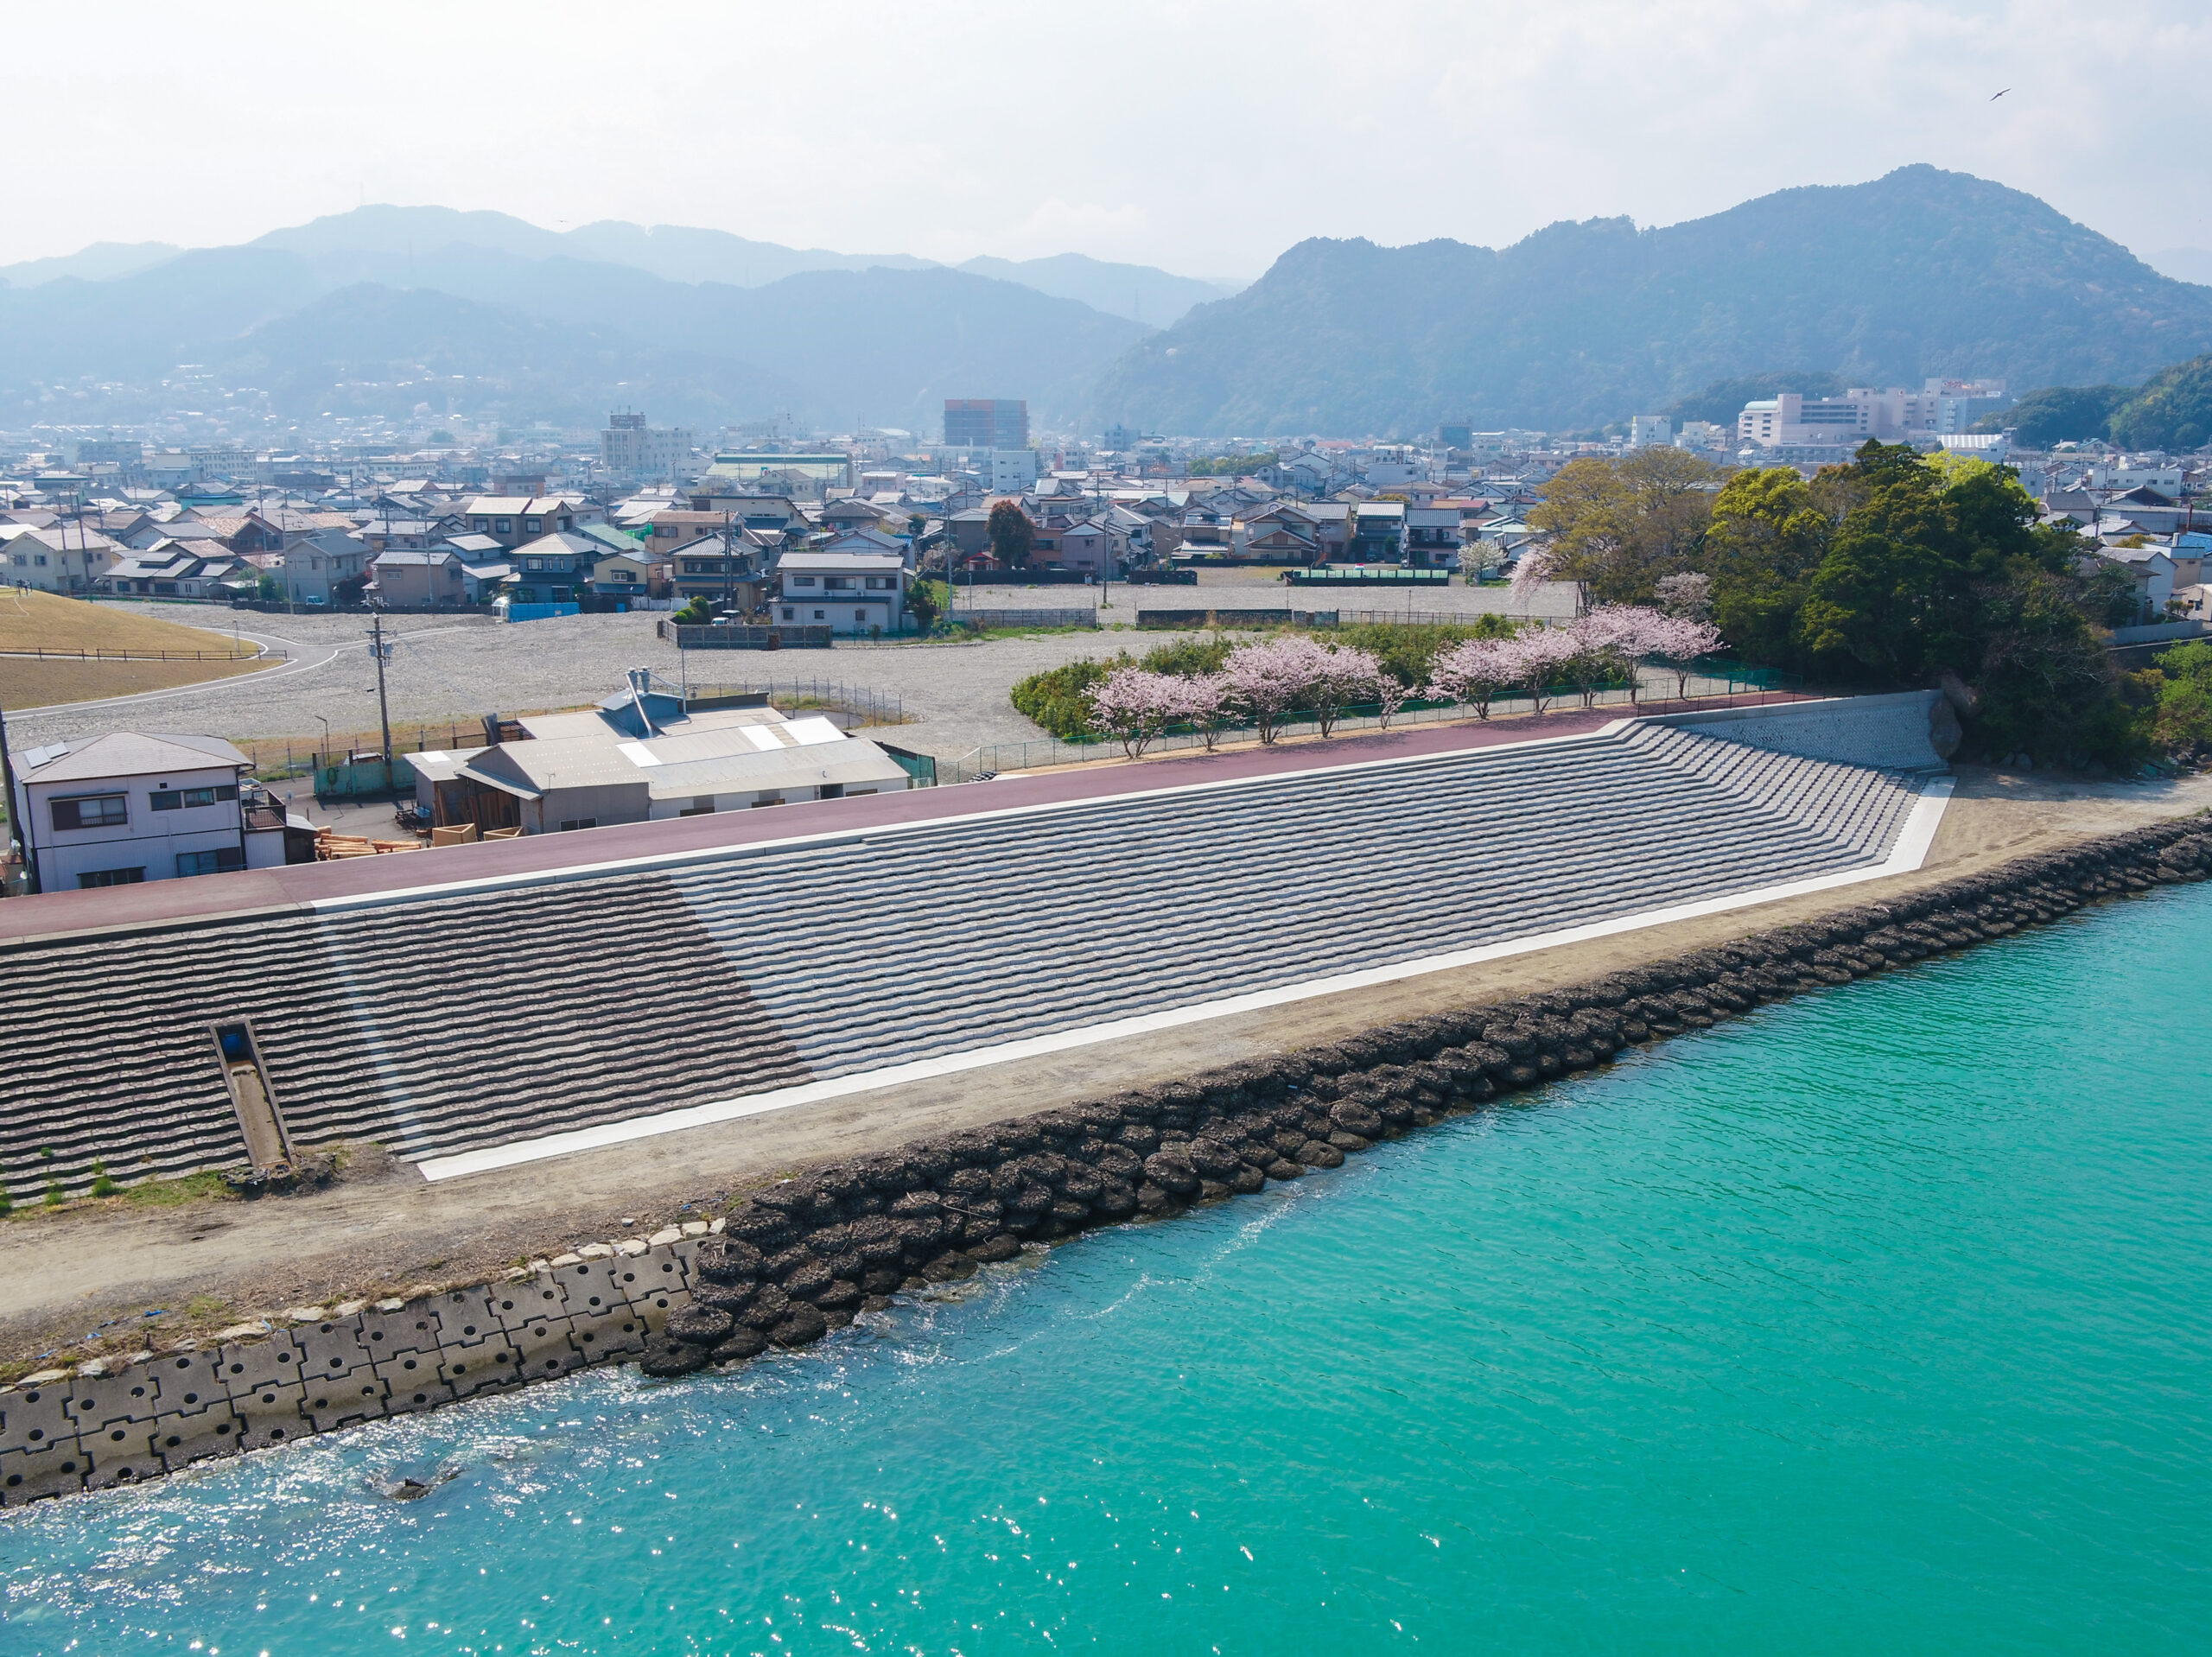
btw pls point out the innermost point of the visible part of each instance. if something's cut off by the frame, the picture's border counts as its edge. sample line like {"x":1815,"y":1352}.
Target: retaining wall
{"x":1894,"y":732}
{"x":805,"y":1256}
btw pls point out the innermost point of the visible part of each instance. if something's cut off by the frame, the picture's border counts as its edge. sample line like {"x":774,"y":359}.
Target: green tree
{"x":1615,"y":527}
{"x":929,"y":602}
{"x":1012,"y":535}
{"x":1895,"y":594}
{"x":1768,"y":535}
{"x":2184,"y":712}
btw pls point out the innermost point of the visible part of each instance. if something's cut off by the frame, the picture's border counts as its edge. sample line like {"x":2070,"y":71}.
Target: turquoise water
{"x":1878,"y":1321}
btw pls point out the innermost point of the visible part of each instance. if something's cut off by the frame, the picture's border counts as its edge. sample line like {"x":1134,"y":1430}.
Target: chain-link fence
{"x":853,"y":706}
{"x":1726,"y":684}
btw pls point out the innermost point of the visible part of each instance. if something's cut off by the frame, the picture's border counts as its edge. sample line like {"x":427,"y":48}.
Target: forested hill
{"x":1920,"y":272}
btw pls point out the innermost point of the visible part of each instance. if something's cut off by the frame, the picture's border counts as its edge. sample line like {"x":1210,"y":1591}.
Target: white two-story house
{"x":123,"y":807}
{"x":861,"y":593}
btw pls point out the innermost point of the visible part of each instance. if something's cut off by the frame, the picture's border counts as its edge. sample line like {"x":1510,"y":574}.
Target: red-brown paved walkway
{"x":262,"y":891}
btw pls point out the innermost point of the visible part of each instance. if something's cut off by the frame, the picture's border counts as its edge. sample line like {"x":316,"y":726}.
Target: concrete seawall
{"x":805,"y":1256}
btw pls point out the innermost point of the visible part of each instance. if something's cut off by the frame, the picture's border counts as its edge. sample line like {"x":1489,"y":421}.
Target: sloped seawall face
{"x":451,"y":1022}
{"x":801,"y":1258}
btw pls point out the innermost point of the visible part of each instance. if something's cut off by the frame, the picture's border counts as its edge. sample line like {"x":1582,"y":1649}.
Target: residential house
{"x":1285,"y":533}
{"x":1094,"y":547}
{"x":736,"y":569}
{"x":277,"y":529}
{"x":125,"y":808}
{"x":553,"y":567}
{"x":408,"y":579}
{"x":851,"y":592}
{"x":512,"y":520}
{"x":329,"y":566}
{"x":2151,"y":568}
{"x":871,"y":540}
{"x":66,"y":557}
{"x":405,"y":534}
{"x":2141,"y":510}
{"x":631,"y":575}
{"x":180,"y":569}
{"x":851,"y":513}
{"x":1432,"y":537}
{"x":1378,"y":532}
{"x":971,"y":530}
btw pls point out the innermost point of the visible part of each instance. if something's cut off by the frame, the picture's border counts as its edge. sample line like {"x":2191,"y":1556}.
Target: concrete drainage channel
{"x":804,"y":1257}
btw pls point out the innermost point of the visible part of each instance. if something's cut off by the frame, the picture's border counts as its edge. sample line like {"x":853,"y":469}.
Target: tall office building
{"x":986,"y":422}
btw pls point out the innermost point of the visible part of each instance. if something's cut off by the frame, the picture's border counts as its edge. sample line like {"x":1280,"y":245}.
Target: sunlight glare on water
{"x":1873,"y":1321}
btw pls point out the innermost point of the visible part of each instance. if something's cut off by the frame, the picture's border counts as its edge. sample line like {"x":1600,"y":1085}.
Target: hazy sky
{"x":1205,"y":137}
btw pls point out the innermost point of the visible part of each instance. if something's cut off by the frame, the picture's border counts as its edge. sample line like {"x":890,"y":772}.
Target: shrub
{"x":1056,"y":701}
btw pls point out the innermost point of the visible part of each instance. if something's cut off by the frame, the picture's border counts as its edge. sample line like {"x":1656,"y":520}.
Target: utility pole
{"x":382,"y":653}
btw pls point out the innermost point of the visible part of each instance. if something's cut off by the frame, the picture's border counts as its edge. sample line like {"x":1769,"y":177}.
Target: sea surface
{"x":1880,"y":1321}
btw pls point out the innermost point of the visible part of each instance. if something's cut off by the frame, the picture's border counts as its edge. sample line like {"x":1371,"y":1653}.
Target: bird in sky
{"x":1993,"y":97}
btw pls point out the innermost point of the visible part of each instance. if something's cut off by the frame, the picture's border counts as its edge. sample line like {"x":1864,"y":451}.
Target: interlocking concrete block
{"x":468,"y":1318}
{"x":181,"y":1440}
{"x":100,"y":1404}
{"x":331,"y":1347}
{"x":132,"y":1462}
{"x":257,"y":1366}
{"x":411,"y":1381}
{"x":189,"y":1385}
{"x":487,"y":1367}
{"x":593,"y":1288}
{"x":35,"y":1418}
{"x":274,"y":1413}
{"x":656,"y":1284}
{"x":344,"y":1399}
{"x":599,"y":1335}
{"x":58,"y":1467}
{"x":545,"y":1349}
{"x":408,"y":1329}
{"x":417,"y":1392}
{"x":535,"y":1300}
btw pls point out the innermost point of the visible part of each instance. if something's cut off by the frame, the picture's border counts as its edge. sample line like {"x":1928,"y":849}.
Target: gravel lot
{"x":458,"y":669}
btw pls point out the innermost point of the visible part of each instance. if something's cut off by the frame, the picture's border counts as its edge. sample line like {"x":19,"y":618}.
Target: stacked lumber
{"x":330,"y":845}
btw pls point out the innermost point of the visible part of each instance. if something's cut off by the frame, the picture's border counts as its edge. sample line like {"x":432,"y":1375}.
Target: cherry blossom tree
{"x":1135,"y":706}
{"x":1688,"y":594}
{"x":1474,"y":671}
{"x":1543,"y":654}
{"x":1271,"y":680}
{"x":1204,"y":701}
{"x":1388,"y":696}
{"x":1617,"y":639}
{"x":1677,"y":643}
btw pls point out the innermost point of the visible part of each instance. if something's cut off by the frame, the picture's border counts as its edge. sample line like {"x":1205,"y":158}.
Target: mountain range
{"x":1915,"y":274}
{"x":428,"y":313}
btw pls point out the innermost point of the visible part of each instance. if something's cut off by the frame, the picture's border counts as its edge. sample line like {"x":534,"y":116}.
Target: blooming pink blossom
{"x":1203,"y":700}
{"x":1677,"y":641}
{"x":1272,"y":679}
{"x":1135,"y":705}
{"x":1473,"y":671}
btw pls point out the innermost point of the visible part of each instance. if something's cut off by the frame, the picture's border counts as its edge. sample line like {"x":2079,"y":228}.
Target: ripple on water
{"x":1871,"y":1320}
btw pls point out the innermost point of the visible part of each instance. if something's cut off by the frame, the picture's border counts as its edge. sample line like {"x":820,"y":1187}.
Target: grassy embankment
{"x":35,"y":621}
